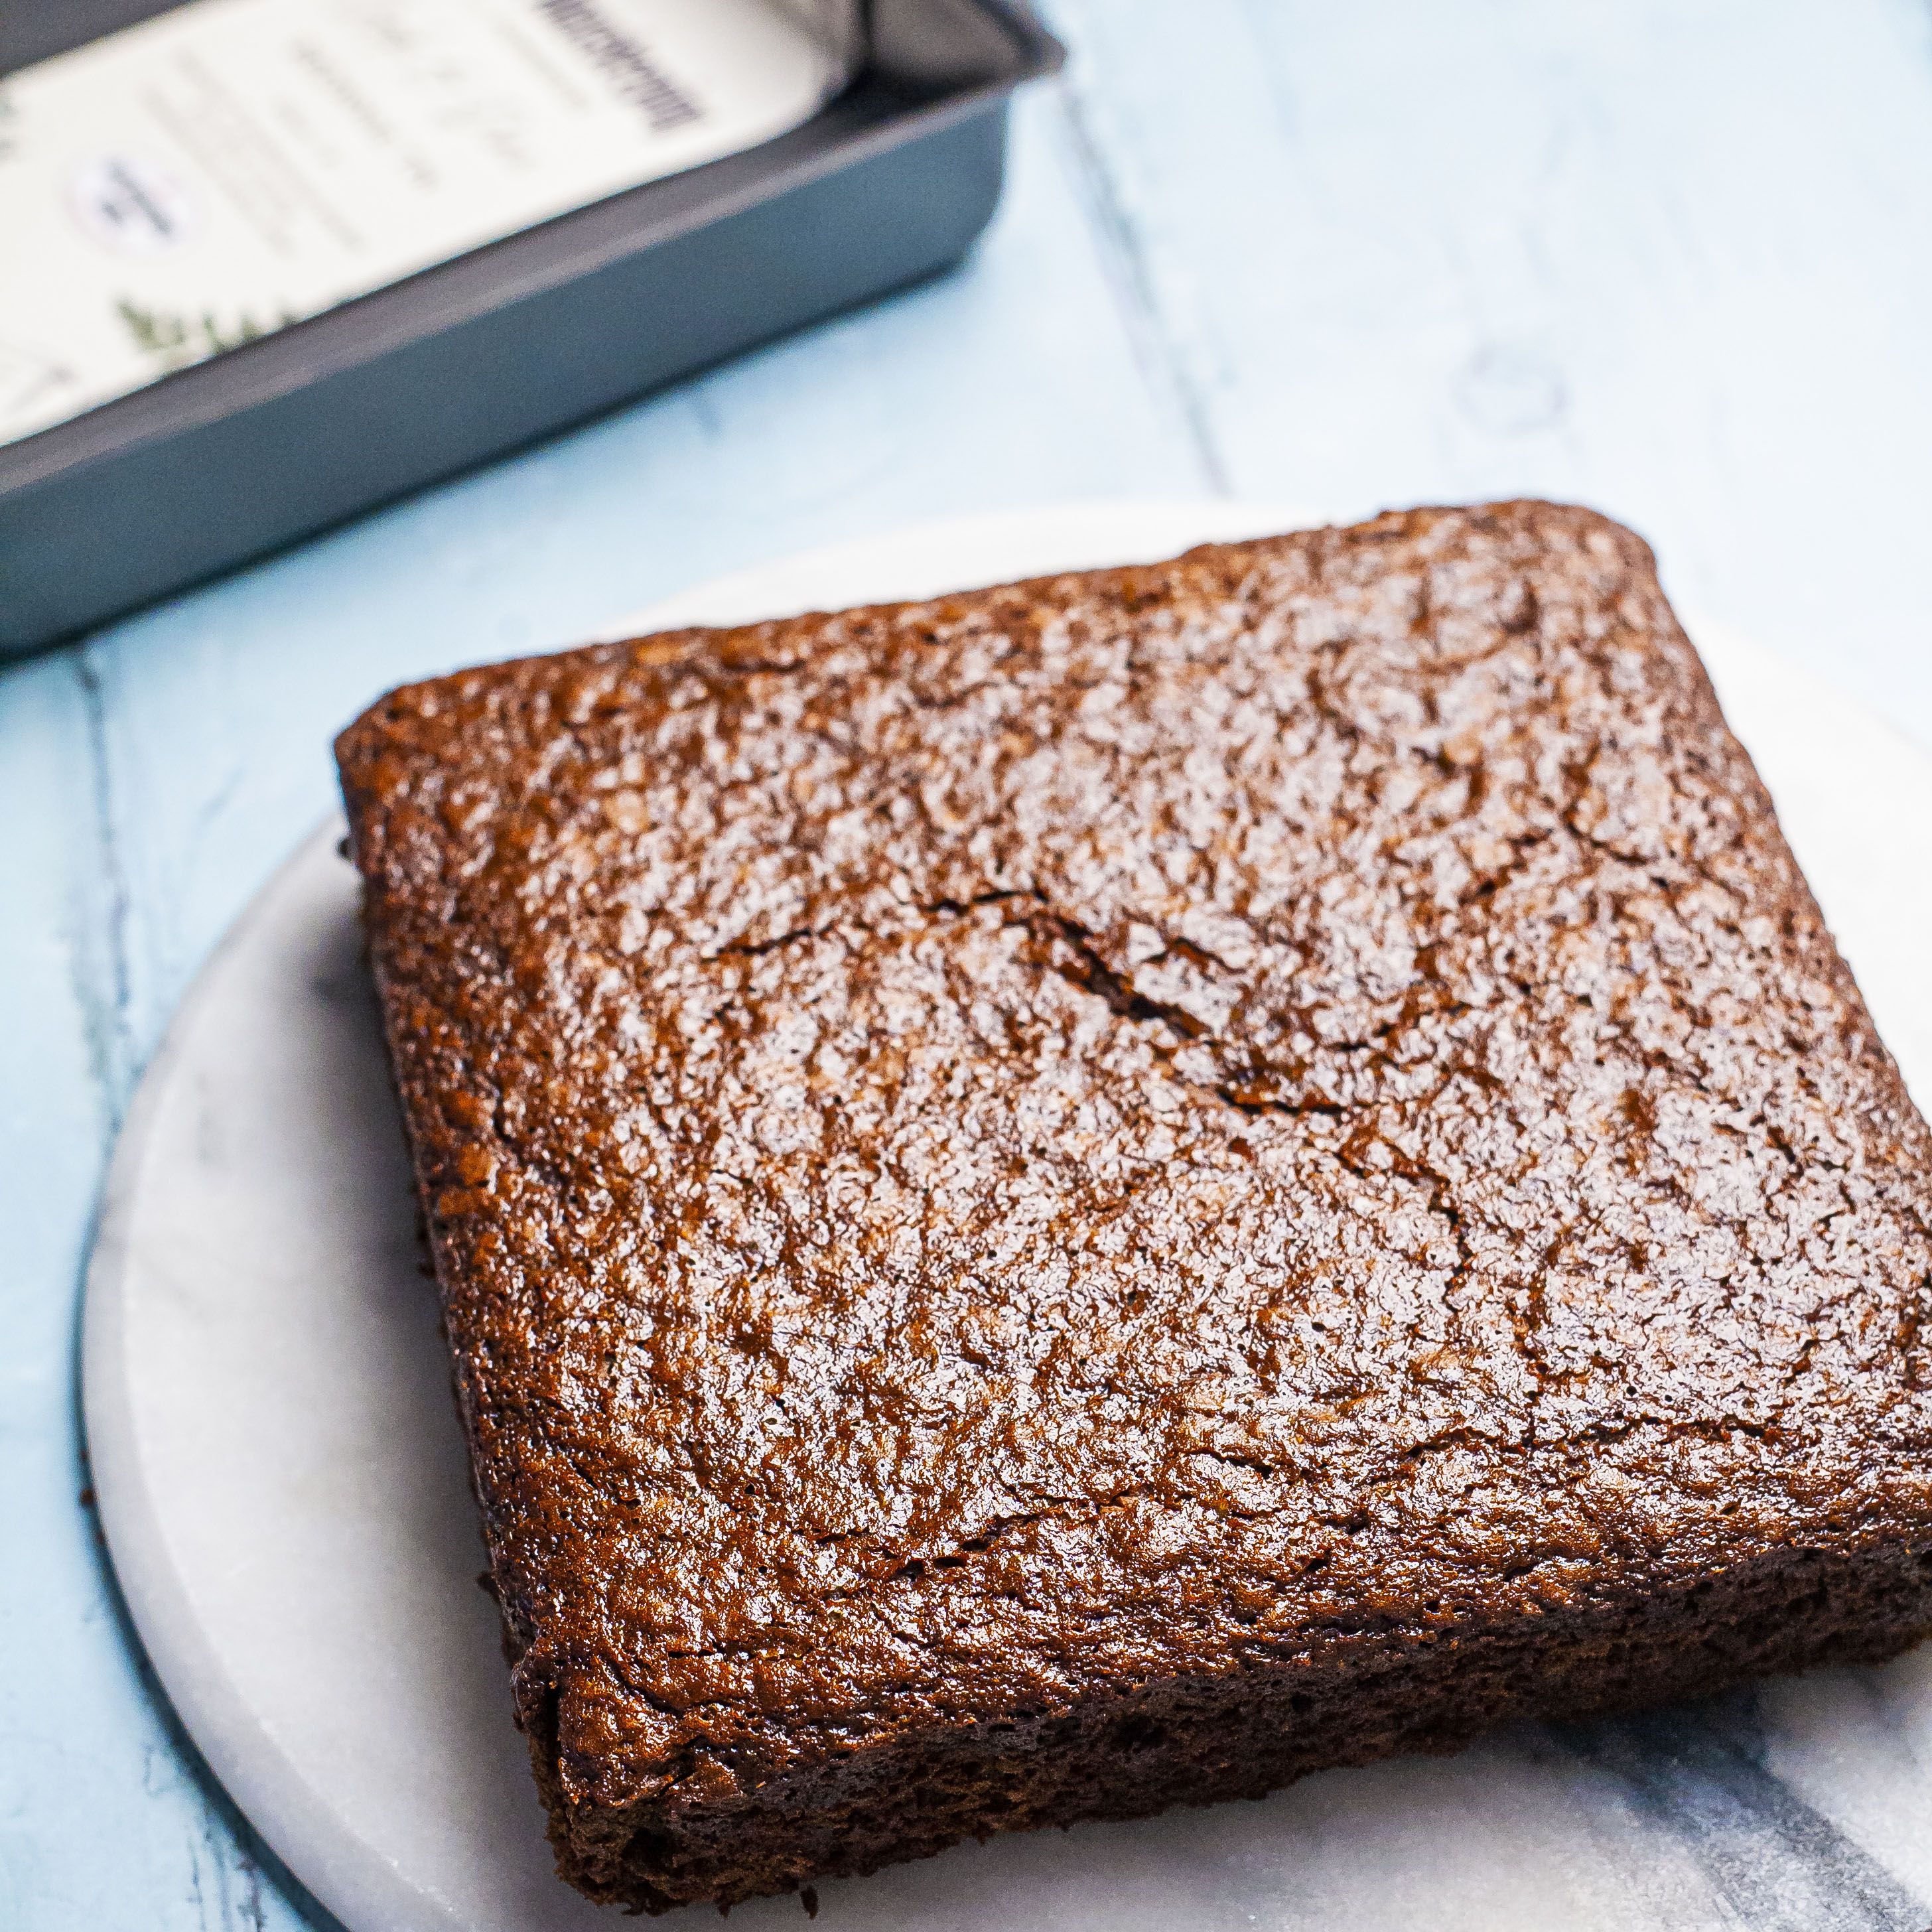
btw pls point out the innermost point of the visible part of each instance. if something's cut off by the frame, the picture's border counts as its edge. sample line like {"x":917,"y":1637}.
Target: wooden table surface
{"x":1672,"y":258}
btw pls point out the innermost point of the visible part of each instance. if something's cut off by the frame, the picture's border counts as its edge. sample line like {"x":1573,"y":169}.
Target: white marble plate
{"x":282,"y":1481}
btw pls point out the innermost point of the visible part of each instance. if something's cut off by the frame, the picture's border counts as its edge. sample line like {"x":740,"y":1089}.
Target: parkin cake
{"x":1101,"y":1193}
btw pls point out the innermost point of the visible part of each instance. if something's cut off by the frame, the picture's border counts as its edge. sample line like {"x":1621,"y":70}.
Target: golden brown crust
{"x":995,"y":1163}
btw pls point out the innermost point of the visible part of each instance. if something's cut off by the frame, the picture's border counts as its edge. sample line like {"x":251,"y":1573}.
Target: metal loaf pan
{"x":234,"y":456}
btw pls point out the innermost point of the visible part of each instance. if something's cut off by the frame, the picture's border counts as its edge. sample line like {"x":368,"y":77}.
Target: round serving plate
{"x":282,"y":1480}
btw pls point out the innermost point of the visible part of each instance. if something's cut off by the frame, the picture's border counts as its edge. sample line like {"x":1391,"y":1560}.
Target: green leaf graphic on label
{"x":175,"y":339}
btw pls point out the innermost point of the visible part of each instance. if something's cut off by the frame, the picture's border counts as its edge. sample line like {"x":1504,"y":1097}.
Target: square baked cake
{"x":1101,"y":1193}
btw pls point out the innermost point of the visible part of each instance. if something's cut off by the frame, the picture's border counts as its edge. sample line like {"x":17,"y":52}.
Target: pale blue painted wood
{"x":104,"y":1820}
{"x":1667,"y":256}
{"x":1672,"y":257}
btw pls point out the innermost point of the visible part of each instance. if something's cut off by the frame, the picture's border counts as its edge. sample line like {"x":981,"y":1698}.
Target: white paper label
{"x":233,"y":166}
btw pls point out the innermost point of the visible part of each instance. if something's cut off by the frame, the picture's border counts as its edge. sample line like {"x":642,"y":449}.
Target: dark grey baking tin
{"x":236,"y":456}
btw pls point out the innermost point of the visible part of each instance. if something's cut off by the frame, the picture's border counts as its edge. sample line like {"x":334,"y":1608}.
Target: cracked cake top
{"x":1085,"y":1131}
